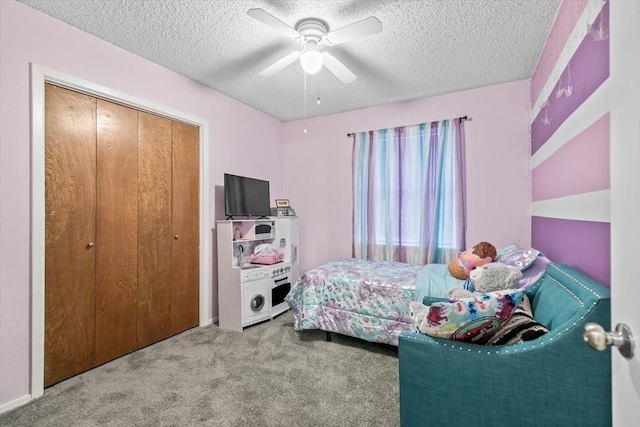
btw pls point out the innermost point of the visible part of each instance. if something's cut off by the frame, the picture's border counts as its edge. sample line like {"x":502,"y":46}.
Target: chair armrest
{"x":557,"y":379}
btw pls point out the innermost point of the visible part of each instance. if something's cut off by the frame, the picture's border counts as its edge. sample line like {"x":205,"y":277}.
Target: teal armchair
{"x":554,"y":380}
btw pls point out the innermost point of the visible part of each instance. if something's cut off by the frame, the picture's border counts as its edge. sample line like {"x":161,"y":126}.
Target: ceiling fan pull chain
{"x":305,"y":101}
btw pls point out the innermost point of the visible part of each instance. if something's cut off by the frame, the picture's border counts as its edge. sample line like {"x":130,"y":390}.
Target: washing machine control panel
{"x":256,"y":274}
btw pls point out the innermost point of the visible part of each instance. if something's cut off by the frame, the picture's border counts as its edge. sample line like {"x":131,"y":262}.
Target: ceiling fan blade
{"x":280,"y":65}
{"x":359,"y":29}
{"x":273,"y":22}
{"x":338,"y":68}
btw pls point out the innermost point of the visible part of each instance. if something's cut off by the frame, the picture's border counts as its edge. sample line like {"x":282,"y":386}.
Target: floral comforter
{"x":365,"y":299}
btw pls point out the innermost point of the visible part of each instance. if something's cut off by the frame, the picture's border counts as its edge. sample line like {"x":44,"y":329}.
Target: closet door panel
{"x":70,"y":200}
{"x":185,"y":227}
{"x":116,"y":222}
{"x":154,"y":229}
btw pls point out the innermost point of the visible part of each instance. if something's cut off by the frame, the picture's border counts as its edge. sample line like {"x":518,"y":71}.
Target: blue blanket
{"x":434,"y":281}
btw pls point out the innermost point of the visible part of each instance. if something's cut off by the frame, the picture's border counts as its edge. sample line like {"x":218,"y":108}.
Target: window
{"x":408,"y":202}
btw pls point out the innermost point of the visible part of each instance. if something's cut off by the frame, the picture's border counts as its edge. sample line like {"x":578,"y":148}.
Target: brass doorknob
{"x":599,"y":339}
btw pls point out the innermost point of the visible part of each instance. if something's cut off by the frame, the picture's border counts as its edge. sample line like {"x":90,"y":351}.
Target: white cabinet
{"x":251,"y":293}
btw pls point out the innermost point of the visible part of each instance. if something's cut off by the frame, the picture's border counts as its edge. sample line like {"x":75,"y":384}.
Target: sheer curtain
{"x":408,"y":193}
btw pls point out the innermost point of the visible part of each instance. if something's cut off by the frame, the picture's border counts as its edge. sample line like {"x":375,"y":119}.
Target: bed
{"x":362,"y":298}
{"x":370,"y":299}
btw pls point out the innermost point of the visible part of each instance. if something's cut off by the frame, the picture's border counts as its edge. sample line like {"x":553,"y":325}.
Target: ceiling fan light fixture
{"x":313,"y":34}
{"x":311,"y":59}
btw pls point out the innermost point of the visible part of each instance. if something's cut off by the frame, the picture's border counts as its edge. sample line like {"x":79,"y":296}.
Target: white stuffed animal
{"x":490,"y":277}
{"x":417,"y":311}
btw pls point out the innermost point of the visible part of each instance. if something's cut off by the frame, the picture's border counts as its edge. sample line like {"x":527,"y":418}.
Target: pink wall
{"x":28,"y":36}
{"x":317,"y":166}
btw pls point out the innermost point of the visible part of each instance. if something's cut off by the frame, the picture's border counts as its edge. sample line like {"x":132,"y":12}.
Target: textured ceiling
{"x":426,"y":48}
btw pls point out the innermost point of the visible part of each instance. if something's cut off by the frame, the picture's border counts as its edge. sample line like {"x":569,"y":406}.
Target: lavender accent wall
{"x":589,"y":67}
{"x":317,"y":166}
{"x":584,"y":245}
{"x":578,"y":164}
{"x":561,"y":175}
{"x":28,"y":36}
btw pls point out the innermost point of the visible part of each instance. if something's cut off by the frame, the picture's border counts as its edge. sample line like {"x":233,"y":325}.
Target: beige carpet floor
{"x":267,"y":375}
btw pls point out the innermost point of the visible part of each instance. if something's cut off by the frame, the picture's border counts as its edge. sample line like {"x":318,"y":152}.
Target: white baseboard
{"x":5,"y":407}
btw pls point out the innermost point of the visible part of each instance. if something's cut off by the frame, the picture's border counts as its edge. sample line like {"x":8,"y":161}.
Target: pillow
{"x":519,"y":328}
{"x":473,"y":319}
{"x":506,"y":249}
{"x":434,"y":280}
{"x":517,"y":257}
{"x":534,"y":272}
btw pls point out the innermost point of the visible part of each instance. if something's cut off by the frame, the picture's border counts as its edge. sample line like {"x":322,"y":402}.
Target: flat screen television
{"x":244,"y":196}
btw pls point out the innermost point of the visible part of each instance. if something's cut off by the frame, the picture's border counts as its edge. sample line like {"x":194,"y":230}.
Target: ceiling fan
{"x":314,"y":34}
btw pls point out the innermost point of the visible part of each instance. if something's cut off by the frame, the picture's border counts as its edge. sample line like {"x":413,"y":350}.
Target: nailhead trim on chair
{"x":523,"y":348}
{"x":568,"y":291}
{"x":544,"y":340}
{"x":505,"y":350}
{"x":576,"y":280}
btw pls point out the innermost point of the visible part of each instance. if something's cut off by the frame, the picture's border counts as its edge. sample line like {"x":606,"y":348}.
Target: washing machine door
{"x":257,"y":303}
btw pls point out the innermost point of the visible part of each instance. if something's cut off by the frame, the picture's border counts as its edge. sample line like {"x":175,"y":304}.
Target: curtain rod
{"x":461,"y":118}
